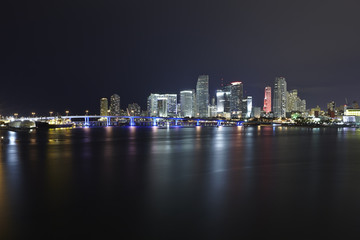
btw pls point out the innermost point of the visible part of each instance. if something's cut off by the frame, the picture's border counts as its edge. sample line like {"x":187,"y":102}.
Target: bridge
{"x":97,"y":120}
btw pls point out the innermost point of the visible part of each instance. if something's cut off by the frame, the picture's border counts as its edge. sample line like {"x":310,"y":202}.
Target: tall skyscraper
{"x":103,"y":107}
{"x":115,"y":105}
{"x":279,"y":101}
{"x":158,"y":104}
{"x":187,"y":103}
{"x":267,"y":100}
{"x":202,"y":95}
{"x":236,"y":96}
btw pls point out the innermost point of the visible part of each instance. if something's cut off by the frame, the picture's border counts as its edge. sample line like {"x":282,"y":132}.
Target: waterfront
{"x":160,"y":183}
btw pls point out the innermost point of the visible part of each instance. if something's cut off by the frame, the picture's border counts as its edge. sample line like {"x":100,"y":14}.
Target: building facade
{"x":267,"y":100}
{"x":187,"y":103}
{"x":134,"y":109}
{"x":115,"y":105}
{"x":236,"y":96}
{"x":280,"y":97}
{"x":103,"y":107}
{"x":162,"y":105}
{"x":202,"y":96}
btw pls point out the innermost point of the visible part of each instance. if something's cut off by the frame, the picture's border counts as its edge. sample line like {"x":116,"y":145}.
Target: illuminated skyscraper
{"x":202,"y":95}
{"x":103,"y":107}
{"x":236,"y":96}
{"x":115,"y":105}
{"x":187,"y":103}
{"x":162,"y":104}
{"x":267,"y":100}
{"x":280,"y":97}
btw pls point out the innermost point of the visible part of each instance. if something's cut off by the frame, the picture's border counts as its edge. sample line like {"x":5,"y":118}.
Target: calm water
{"x":183,"y":183}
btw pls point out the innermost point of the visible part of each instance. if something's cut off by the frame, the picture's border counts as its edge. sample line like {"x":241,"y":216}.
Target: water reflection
{"x":205,"y":180}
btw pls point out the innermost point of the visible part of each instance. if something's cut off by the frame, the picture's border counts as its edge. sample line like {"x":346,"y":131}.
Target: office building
{"x":236,"y":96}
{"x":202,"y":96}
{"x":162,"y":105}
{"x":280,"y":97}
{"x":187,"y":103}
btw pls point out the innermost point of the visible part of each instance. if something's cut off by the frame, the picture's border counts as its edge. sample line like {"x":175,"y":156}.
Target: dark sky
{"x":58,"y":55}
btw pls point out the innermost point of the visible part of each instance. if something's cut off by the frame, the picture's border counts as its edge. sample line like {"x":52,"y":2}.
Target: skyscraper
{"x":115,"y":105}
{"x":236,"y":96}
{"x":187,"y":103}
{"x":279,"y":101}
{"x":103,"y":107}
{"x":202,"y":95}
{"x":267,"y":100}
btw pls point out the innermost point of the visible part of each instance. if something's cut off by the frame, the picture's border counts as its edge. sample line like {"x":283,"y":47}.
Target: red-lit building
{"x":267,"y":100}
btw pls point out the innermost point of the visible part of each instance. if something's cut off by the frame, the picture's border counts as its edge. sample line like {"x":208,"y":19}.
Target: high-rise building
{"x":115,"y":105}
{"x":220,"y":99}
{"x":187,"y":103}
{"x":292,"y":101}
{"x":202,"y":95}
{"x":249,"y":106}
{"x":236,"y":96}
{"x":103,"y":107}
{"x":267,"y":100}
{"x":134,"y":109}
{"x":162,"y":104}
{"x":279,"y":101}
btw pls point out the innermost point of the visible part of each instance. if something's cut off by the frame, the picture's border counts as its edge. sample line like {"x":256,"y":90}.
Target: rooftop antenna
{"x":346,"y":102}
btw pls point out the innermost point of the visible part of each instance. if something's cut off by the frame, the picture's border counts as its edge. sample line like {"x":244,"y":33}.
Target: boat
{"x":54,"y":123}
{"x":21,"y":125}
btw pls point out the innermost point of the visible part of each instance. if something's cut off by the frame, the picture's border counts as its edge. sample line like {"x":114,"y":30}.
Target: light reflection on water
{"x":204,"y":179}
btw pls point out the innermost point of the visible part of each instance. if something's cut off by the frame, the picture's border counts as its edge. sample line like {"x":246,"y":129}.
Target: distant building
{"x":162,"y":105}
{"x":249,"y":106}
{"x":202,"y":95}
{"x":212,"y":110}
{"x":315,"y":112}
{"x":292,"y":101}
{"x":115,"y":105}
{"x":256,"y":112}
{"x":352,"y":112}
{"x":280,"y":97}
{"x":187,"y":103}
{"x":331,"y":108}
{"x":220,"y":100}
{"x":103,"y":107}
{"x":134,"y":109}
{"x":267,"y":100}
{"x":236,"y":96}
{"x":355,"y":105}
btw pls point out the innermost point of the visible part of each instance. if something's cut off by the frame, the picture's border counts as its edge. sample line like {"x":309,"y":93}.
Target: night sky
{"x":66,"y":55}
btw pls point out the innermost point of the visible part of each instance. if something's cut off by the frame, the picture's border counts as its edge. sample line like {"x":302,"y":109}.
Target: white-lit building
{"x":202,"y":95}
{"x":187,"y":102}
{"x":280,"y":97}
{"x":162,"y":105}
